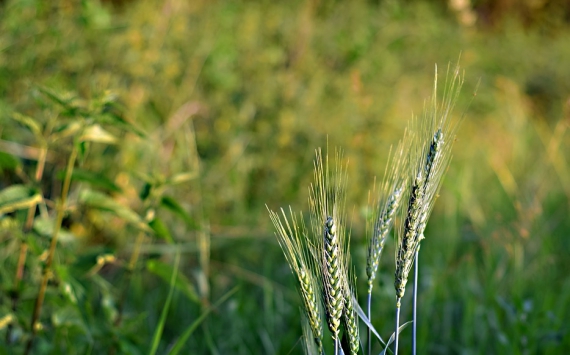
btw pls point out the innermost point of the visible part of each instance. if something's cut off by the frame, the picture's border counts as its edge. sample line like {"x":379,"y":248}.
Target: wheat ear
{"x":293,"y":239}
{"x":326,"y":199}
{"x":385,"y":207}
{"x":429,"y":159}
{"x":350,"y":317}
{"x":311,"y":348}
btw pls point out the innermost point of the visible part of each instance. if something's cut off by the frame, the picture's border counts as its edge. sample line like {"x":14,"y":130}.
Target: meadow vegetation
{"x":140,"y":142}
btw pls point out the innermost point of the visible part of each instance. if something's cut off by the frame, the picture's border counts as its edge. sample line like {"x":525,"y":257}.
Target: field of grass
{"x":141,"y":141}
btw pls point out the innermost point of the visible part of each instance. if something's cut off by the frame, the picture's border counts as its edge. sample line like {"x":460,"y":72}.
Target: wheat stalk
{"x":350,"y":317}
{"x":326,"y":200}
{"x":391,"y":192}
{"x":293,"y":239}
{"x":429,"y":158}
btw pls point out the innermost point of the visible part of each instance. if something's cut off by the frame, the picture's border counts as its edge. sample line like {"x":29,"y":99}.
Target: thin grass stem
{"x":24,"y":245}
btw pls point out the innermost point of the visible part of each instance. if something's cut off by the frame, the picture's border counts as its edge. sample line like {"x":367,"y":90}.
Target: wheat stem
{"x":292,"y":238}
{"x":415,"y":303}
{"x":396,"y":332}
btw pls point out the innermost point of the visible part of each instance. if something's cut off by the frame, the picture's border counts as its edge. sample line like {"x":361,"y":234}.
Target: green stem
{"x":46,"y":275}
{"x":396,"y":333}
{"x":415,"y":303}
{"x":370,"y":320}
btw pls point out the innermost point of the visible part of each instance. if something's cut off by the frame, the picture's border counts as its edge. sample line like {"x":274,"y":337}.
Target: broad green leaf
{"x":162,"y":321}
{"x":95,"y":133}
{"x":184,"y":337}
{"x":92,"y":178}
{"x":182,"y":283}
{"x":104,"y":202}
{"x":161,"y":230}
{"x":17,"y":197}
{"x":30,"y":123}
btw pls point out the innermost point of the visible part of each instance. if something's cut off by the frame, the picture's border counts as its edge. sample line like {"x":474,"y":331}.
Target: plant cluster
{"x":56,"y":296}
{"x":320,"y":257}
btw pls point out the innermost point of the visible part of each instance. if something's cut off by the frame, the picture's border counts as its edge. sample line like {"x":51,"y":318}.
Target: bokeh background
{"x":225,"y":102}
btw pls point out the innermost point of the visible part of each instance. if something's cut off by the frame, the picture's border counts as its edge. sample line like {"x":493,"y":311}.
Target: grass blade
{"x":160,"y":325}
{"x":184,"y":337}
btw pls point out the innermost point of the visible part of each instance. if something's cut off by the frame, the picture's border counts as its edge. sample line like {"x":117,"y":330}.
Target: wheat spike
{"x":327,"y":196}
{"x":350,"y":317}
{"x":293,"y":239}
{"x":332,"y":270}
{"x":391,"y":191}
{"x":429,"y":158}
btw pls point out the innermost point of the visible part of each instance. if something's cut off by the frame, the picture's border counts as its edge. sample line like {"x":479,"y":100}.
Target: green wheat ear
{"x":294,"y":241}
{"x":326,"y":199}
{"x":387,"y":203}
{"x":429,"y":157}
{"x":350,"y":317}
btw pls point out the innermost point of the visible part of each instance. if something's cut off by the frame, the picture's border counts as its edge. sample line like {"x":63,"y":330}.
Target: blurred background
{"x":206,"y":111}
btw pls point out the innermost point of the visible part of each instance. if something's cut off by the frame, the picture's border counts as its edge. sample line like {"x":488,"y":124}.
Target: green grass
{"x":233,"y":98}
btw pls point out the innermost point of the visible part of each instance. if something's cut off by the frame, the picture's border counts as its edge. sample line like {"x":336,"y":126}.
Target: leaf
{"x":92,"y":178}
{"x":30,"y":123}
{"x":111,"y":114}
{"x":71,"y":106}
{"x":161,"y":230}
{"x":181,"y":178}
{"x":364,"y":318}
{"x":184,"y":337}
{"x":17,"y":197}
{"x":96,"y":133}
{"x":182,"y":283}
{"x":69,"y":317}
{"x":393,"y":336}
{"x":145,"y":191}
{"x":8,"y":162}
{"x":66,"y":130}
{"x":44,"y":226}
{"x":160,"y":325}
{"x":101,"y":201}
{"x":173,"y":206}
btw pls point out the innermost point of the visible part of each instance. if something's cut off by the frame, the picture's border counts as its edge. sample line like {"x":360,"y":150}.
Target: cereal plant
{"x":320,"y":257}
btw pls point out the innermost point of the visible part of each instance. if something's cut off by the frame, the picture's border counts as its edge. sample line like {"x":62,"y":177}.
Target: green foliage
{"x":188,"y":117}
